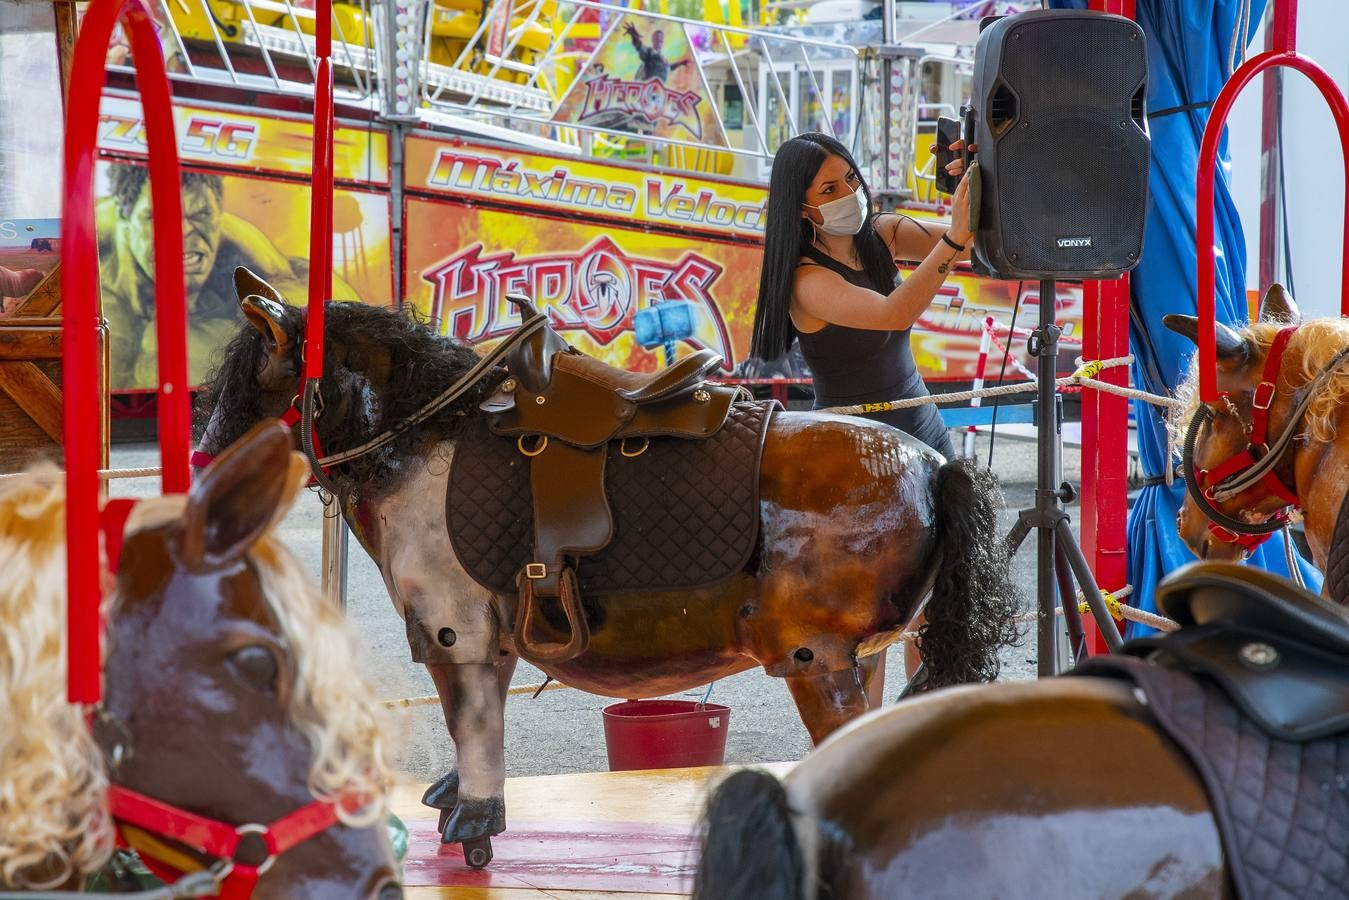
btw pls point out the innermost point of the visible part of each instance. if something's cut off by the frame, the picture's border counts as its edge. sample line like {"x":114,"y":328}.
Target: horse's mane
{"x":331,"y":704}
{"x":53,"y":821}
{"x":1314,"y":343}
{"x":404,"y":362}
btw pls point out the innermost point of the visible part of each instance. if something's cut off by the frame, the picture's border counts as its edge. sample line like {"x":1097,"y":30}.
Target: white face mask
{"x":843,"y":216}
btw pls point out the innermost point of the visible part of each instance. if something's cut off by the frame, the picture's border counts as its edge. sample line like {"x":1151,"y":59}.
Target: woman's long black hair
{"x":787,"y":234}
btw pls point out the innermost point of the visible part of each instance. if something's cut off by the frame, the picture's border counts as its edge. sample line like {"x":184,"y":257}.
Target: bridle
{"x":241,"y":854}
{"x":308,"y":404}
{"x":1254,"y":465}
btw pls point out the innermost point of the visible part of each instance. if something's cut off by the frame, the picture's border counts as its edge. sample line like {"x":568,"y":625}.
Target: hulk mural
{"x":246,"y":223}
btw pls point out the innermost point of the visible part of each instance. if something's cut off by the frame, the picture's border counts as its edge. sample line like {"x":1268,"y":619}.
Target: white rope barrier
{"x":516,"y":691}
{"x":1083,"y":377}
{"x":110,"y":474}
{"x":1118,"y":610}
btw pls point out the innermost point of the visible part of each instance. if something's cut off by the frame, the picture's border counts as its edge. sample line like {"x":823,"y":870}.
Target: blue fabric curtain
{"x":1189,"y":47}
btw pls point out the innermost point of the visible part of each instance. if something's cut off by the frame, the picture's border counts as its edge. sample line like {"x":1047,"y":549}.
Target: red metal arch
{"x":1283,"y":55}
{"x":79,"y":265}
{"x":79,"y":262}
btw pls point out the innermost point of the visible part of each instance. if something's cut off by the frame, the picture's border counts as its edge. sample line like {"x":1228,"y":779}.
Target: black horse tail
{"x":974,"y":605}
{"x":749,"y":849}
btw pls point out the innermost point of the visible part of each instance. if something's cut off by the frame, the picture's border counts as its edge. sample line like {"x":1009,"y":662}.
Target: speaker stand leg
{"x":1057,"y":552}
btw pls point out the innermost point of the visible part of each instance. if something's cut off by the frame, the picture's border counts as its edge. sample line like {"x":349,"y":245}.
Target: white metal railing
{"x":947,"y":103}
{"x":265,"y":45}
{"x":516,"y":75}
{"x":503,"y":69}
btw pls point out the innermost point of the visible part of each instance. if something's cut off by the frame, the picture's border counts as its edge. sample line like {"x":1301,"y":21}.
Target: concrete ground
{"x":561,"y":731}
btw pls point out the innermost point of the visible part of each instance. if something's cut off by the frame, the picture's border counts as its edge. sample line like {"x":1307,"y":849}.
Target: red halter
{"x":200,"y":459}
{"x":1208,"y":479}
{"x":218,"y":839}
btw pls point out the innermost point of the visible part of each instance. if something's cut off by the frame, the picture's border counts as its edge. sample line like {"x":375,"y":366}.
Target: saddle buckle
{"x":1264,"y":395}
{"x":536,"y":571}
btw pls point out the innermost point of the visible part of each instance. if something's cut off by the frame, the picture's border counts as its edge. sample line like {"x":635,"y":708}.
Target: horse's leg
{"x":832,"y":699}
{"x":444,"y":794}
{"x":452,"y":629}
{"x":475,"y":712}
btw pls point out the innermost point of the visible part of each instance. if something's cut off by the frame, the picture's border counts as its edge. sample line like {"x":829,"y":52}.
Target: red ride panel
{"x":633,"y":857}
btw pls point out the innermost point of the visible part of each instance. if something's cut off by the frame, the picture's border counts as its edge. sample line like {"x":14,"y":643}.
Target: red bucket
{"x":665,"y":734}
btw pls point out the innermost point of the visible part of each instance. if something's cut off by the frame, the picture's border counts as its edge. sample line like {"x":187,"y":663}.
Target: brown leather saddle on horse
{"x":1254,"y":688}
{"x":590,"y":479}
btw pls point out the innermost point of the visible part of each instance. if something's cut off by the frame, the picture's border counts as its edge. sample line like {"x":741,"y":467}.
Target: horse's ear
{"x":240,"y":497}
{"x":268,"y":317}
{"x":1233,"y":349}
{"x":246,"y":283}
{"x":1278,"y":306}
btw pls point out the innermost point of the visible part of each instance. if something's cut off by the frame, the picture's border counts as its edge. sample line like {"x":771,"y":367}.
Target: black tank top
{"x":861,"y":365}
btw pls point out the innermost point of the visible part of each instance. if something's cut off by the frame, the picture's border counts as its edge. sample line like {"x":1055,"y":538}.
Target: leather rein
{"x":1255,"y":464}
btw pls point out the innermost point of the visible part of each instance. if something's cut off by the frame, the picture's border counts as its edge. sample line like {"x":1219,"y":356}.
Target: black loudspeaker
{"x":1062,"y":145}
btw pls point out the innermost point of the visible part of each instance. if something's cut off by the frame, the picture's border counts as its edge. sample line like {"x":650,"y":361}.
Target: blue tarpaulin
{"x":1190,"y":53}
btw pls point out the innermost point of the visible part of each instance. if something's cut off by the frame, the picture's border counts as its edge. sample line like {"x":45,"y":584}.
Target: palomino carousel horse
{"x":1215,"y":766}
{"x":229,"y":699}
{"x":672,"y":536}
{"x":1276,"y":440}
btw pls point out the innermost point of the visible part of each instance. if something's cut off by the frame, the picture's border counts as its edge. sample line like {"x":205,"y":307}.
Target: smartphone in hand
{"x":948,"y":132}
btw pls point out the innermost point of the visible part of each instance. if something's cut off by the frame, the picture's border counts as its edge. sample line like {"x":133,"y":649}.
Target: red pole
{"x":1105,"y":426}
{"x":1208,"y":160}
{"x":1270,"y":160}
{"x":1283,"y":34}
{"x":79,"y":263}
{"x":321,"y":195}
{"x":323,"y":31}
{"x":320,"y":220}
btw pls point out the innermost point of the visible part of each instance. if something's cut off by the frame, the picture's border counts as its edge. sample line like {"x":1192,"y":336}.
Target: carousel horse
{"x":1211,"y":762}
{"x":633,"y":535}
{"x":1275,"y":442}
{"x":232,"y":738}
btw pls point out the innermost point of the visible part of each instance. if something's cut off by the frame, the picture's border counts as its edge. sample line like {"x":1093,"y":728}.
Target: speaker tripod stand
{"x":1059,"y":558}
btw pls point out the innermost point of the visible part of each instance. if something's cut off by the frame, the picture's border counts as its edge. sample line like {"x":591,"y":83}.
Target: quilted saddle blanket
{"x":686,"y":513}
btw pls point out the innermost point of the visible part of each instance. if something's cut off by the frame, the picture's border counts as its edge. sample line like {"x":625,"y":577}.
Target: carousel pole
{"x":334,"y":565}
{"x":80,"y":312}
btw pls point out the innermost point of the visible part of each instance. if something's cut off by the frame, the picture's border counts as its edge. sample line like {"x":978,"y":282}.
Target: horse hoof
{"x":444,"y":817}
{"x":478,"y":853}
{"x":444,"y":794}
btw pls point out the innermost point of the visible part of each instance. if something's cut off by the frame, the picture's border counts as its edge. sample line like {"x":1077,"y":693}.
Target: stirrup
{"x":569,"y":595}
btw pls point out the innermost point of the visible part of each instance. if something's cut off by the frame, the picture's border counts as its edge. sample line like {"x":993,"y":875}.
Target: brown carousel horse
{"x":231,"y":724}
{"x":849,"y":526}
{"x":1274,"y":443}
{"x":1216,"y":766}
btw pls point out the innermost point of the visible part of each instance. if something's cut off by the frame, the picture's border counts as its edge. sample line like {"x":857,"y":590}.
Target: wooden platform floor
{"x":595,"y":836}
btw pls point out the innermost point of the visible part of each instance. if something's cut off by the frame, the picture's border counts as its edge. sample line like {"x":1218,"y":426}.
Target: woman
{"x":830,"y":280}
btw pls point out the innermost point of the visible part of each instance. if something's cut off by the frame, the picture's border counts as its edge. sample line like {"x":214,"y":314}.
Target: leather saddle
{"x":1280,"y":652}
{"x":1254,"y":689}
{"x":564,"y":409}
